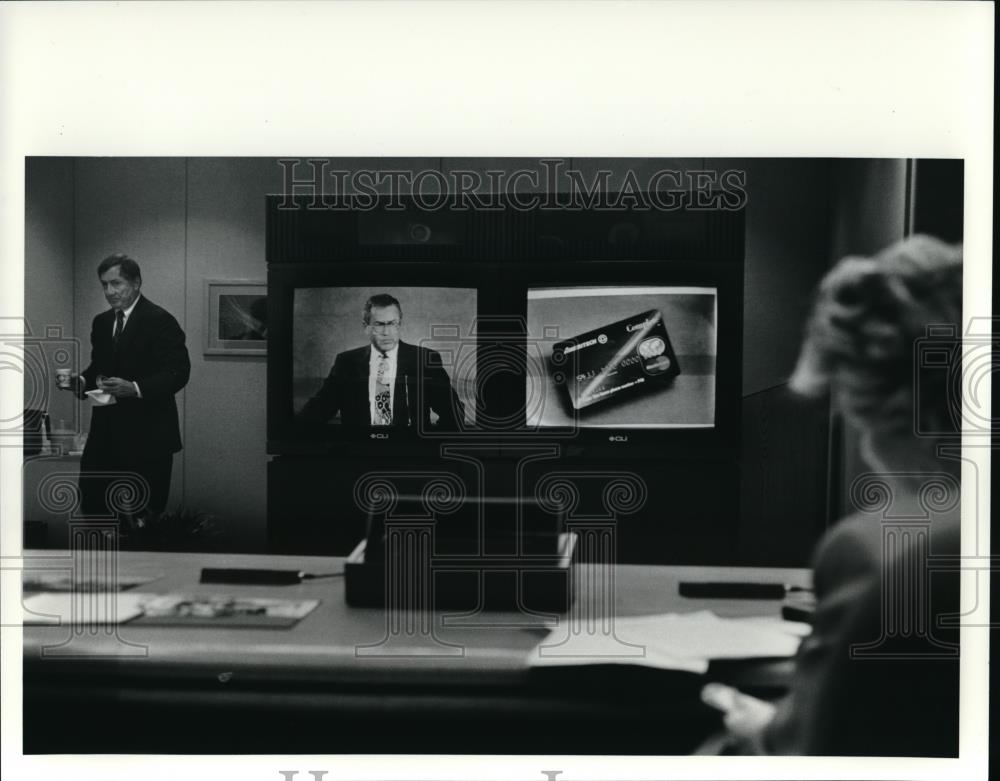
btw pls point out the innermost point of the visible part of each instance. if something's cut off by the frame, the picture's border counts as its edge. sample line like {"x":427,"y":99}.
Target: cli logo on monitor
{"x":618,"y":438}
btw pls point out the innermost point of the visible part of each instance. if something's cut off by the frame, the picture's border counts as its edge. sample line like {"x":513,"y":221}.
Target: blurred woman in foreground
{"x":878,"y":676}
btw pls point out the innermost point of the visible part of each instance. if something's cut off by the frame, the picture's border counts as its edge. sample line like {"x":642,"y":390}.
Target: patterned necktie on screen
{"x":119,"y":324}
{"x":383,"y":398}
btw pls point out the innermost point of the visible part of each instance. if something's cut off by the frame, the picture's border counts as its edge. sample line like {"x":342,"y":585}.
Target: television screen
{"x":626,"y":357}
{"x":383,"y":356}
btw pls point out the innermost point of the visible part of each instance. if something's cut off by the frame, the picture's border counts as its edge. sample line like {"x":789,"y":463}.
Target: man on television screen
{"x":386,"y":382}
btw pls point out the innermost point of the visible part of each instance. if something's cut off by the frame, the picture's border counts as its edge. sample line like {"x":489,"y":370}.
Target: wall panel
{"x":226,"y":408}
{"x":48,"y":289}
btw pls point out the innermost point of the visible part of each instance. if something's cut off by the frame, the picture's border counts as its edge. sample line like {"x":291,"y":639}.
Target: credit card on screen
{"x":615,"y":360}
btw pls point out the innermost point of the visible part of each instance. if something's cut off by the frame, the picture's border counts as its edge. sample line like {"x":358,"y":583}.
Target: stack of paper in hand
{"x":671,"y":641}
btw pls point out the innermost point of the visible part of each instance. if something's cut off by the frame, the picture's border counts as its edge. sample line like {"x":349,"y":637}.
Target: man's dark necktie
{"x":119,"y":324}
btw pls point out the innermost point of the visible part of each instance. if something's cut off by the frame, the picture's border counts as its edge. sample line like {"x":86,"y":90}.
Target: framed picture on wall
{"x":235,"y":317}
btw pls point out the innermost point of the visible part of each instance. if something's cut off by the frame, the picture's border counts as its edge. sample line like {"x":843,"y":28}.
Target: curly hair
{"x":861,"y":338}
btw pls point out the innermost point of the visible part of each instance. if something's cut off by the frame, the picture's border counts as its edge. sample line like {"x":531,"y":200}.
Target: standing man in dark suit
{"x":139,"y":359}
{"x":386,"y":382}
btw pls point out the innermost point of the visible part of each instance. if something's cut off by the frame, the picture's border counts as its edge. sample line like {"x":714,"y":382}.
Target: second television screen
{"x":622,"y":357}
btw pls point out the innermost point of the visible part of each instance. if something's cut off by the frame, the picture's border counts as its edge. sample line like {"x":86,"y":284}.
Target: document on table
{"x":671,"y":641}
{"x":93,"y":608}
{"x":223,"y":610}
{"x":66,"y":581}
{"x":57,"y":608}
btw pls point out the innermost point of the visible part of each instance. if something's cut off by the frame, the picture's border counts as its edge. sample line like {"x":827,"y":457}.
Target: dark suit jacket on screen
{"x":151,"y":353}
{"x":421,"y":385}
{"x":885,"y":704}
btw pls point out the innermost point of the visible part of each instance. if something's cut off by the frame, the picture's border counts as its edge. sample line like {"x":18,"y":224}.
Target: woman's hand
{"x":745,"y":717}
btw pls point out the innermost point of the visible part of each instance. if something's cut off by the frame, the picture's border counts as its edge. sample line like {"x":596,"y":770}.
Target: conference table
{"x":361,"y":680}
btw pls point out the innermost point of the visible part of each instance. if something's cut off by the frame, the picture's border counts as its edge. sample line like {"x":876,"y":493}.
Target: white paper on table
{"x":703,"y":635}
{"x":586,"y":650}
{"x":57,"y":580}
{"x":56,"y":608}
{"x":796,"y":628}
{"x":673,"y":641}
